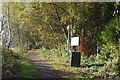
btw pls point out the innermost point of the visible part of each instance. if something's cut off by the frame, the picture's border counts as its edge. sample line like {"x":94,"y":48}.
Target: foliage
{"x":109,"y":34}
{"x":110,"y":48}
{"x":9,"y":65}
{"x":60,"y":54}
{"x":20,"y":51}
{"x":14,"y":64}
{"x":8,"y":53}
{"x":95,"y":66}
{"x":25,"y":69}
{"x":33,"y":22}
{"x":43,"y":25}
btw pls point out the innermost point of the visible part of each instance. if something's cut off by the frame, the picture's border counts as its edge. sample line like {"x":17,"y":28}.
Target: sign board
{"x":75,"y":41}
{"x":68,"y":27}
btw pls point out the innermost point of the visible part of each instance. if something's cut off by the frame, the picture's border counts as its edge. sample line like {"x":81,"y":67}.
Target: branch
{"x":59,"y":20}
{"x":4,"y":23}
{"x":61,"y":8}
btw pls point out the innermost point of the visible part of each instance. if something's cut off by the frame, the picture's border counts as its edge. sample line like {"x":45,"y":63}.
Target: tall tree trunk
{"x":1,"y":23}
{"x":8,"y":26}
{"x":18,"y":32}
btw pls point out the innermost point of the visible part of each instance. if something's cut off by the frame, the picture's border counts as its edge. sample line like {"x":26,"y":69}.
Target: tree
{"x":33,"y":22}
{"x":5,"y":28}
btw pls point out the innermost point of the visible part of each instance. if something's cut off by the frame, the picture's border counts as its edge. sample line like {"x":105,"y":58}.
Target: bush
{"x":9,"y":65}
{"x":99,"y":65}
{"x":59,"y":54}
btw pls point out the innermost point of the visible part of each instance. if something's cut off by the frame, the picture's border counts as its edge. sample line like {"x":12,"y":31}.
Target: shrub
{"x":9,"y":65}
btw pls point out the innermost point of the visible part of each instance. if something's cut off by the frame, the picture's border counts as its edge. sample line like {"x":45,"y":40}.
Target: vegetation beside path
{"x":26,"y":70}
{"x":15,"y":64}
{"x":96,"y":66}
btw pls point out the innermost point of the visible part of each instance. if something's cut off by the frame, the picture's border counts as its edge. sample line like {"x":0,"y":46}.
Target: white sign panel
{"x":75,"y":41}
{"x":68,"y":27}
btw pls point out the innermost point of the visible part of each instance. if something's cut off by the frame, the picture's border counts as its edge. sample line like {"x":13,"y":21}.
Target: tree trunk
{"x":8,"y":26}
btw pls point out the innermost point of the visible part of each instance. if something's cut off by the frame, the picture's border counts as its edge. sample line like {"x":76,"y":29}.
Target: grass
{"x":64,"y":67}
{"x":93,"y":67}
{"x":26,"y":70}
{"x":75,"y":71}
{"x":19,"y":51}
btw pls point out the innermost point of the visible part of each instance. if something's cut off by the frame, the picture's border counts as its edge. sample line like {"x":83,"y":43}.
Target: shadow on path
{"x":45,"y":70}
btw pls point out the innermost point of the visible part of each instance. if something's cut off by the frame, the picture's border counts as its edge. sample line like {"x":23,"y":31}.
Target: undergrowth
{"x":15,"y":64}
{"x":25,"y":70}
{"x":96,"y":66}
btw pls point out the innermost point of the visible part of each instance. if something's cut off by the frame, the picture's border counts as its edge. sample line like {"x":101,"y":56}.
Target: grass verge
{"x":59,"y":65}
{"x":26,"y":70}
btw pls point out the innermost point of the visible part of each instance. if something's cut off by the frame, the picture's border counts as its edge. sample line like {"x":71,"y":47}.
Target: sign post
{"x":68,"y":28}
{"x":75,"y":60}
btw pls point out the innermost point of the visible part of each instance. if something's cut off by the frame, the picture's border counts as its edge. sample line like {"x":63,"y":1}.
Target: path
{"x":45,"y":70}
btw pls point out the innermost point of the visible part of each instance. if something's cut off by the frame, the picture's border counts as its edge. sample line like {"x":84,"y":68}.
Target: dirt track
{"x":45,"y":70}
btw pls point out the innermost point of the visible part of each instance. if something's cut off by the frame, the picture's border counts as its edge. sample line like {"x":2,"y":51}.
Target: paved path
{"x":45,"y":70}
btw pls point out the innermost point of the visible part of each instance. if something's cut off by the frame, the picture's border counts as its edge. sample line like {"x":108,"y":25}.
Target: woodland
{"x":42,"y":27}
